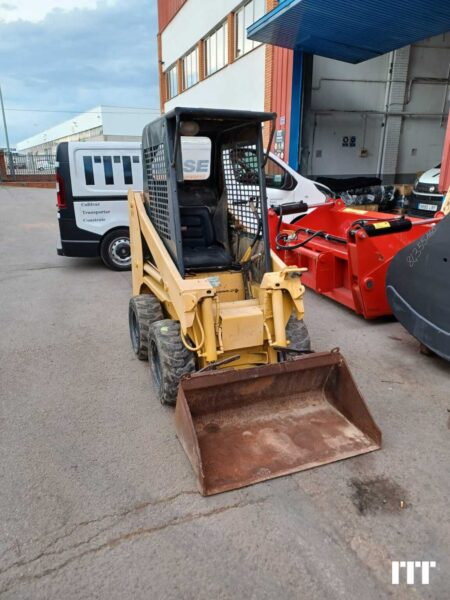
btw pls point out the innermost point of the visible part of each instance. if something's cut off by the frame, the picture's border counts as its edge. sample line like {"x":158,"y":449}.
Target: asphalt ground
{"x":97,"y":499}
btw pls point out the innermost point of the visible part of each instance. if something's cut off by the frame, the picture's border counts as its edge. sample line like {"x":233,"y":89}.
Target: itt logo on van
{"x":410,"y":567}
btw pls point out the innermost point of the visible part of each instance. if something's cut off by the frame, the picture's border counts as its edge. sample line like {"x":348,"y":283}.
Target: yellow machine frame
{"x":217,"y":321}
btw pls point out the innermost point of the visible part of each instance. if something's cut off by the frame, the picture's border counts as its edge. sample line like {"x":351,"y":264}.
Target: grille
{"x":240,"y":167}
{"x":424,"y":188}
{"x":423,"y":214}
{"x":158,"y":196}
{"x":429,"y":199}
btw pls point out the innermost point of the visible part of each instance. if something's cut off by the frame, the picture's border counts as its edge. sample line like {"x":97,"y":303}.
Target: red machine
{"x":346,"y":251}
{"x":444,"y":179}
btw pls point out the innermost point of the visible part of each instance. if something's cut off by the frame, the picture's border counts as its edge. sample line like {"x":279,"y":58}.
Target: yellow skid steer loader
{"x":220,"y":317}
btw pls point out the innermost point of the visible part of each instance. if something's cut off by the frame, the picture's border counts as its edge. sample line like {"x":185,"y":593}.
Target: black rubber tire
{"x":143,"y":310}
{"x":298,"y":336}
{"x":115,"y":250}
{"x":169,"y":360}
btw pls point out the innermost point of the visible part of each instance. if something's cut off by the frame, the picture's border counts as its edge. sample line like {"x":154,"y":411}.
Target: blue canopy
{"x":351,"y":30}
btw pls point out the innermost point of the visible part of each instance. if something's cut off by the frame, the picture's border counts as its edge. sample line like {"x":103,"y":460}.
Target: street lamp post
{"x":10,"y":158}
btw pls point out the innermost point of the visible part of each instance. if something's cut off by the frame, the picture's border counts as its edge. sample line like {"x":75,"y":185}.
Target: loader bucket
{"x":240,"y":427}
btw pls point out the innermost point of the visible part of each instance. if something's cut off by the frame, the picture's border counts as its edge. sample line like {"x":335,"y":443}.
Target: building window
{"x":172,"y":82}
{"x":216,"y":49}
{"x":190,"y":69}
{"x":246,"y":16}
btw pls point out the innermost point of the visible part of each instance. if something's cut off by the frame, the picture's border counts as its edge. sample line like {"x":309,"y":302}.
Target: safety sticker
{"x":382,"y":225}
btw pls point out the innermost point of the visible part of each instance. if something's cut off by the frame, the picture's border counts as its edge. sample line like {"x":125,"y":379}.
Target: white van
{"x":93,"y":179}
{"x":92,"y":182}
{"x":283,"y":184}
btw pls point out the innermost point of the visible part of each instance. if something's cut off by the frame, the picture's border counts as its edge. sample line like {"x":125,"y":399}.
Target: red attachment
{"x":60,"y":192}
{"x":444,"y":179}
{"x":353,"y":271}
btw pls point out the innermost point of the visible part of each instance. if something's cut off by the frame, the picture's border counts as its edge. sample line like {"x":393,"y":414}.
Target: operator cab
{"x":211,"y":165}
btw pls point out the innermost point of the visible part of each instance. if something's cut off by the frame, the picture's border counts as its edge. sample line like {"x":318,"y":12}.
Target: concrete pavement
{"x":97,"y":499}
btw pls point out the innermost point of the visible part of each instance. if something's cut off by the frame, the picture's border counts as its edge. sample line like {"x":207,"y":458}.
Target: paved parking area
{"x":97,"y":499}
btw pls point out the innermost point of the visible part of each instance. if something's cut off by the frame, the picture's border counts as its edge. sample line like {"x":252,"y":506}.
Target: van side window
{"x":88,"y":170}
{"x":245,"y":165}
{"x":107,"y":167}
{"x":127,"y":174}
{"x":277,"y":177}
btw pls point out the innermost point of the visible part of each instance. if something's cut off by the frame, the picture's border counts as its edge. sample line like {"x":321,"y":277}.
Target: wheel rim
{"x":134,"y":331}
{"x":120,"y":252}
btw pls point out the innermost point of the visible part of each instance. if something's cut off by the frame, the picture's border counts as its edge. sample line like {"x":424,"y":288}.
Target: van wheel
{"x":115,"y":250}
{"x":143,"y":310}
{"x":168,"y":358}
{"x":298,"y":336}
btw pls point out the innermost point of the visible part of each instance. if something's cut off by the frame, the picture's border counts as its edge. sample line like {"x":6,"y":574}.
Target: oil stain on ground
{"x":379,"y":494}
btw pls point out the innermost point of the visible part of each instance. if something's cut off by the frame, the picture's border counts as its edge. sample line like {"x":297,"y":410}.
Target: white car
{"x":426,"y":199}
{"x":44,"y":164}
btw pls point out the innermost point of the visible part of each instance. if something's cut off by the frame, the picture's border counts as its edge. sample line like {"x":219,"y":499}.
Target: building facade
{"x":383,"y":117}
{"x":101,"y":123}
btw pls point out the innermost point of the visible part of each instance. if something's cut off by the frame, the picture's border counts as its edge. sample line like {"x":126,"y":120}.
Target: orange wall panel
{"x":282,"y":63}
{"x":167,"y":9}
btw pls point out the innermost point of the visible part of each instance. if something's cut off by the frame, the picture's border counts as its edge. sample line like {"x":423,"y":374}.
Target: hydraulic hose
{"x":283,"y":237}
{"x":300,"y":244}
{"x":202,"y":333}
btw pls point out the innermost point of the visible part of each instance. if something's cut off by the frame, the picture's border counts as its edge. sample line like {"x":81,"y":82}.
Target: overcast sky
{"x":71,"y":55}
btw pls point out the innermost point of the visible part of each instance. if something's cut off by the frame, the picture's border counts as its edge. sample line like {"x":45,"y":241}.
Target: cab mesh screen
{"x":240,"y":169}
{"x":157,"y":197}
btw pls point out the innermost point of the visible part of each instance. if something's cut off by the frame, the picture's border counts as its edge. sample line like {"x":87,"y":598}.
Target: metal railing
{"x":29,"y":164}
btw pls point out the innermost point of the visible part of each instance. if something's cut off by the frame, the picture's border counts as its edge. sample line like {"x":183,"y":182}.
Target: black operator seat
{"x":201,"y":250}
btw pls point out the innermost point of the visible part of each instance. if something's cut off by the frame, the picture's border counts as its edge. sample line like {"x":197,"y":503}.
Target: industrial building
{"x":101,"y":123}
{"x":364,"y":94}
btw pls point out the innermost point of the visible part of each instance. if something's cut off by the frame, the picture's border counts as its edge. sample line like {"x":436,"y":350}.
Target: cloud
{"x":32,"y":10}
{"x":75,"y":59}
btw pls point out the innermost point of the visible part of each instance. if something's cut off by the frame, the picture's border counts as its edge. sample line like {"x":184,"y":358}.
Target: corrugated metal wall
{"x":167,"y":9}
